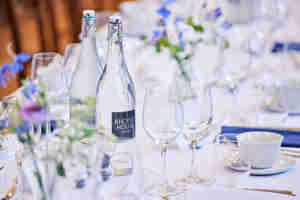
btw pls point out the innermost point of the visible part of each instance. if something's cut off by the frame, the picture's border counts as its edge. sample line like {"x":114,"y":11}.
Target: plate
{"x":284,"y":164}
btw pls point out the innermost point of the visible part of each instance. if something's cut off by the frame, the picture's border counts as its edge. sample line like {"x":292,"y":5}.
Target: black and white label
{"x":123,"y":124}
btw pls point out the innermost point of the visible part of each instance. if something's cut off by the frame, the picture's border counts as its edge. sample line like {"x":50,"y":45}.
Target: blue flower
{"x":164,"y":12}
{"x":105,"y":162}
{"x":80,"y":183}
{"x":161,"y":22}
{"x":4,"y":76}
{"x":29,"y":90}
{"x":156,"y":34}
{"x":226,"y":25}
{"x":14,"y":68}
{"x":22,"y":57}
{"x":180,"y":35}
{"x":213,"y":15}
{"x":3,"y":124}
{"x":23,"y":128}
{"x":105,"y":175}
{"x":178,"y":20}
{"x":18,"y":64}
{"x":278,"y":47}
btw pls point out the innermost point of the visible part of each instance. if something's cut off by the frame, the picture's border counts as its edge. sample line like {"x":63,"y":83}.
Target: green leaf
{"x":198,"y":28}
{"x":158,"y":47}
{"x":189,"y":21}
{"x":22,"y":139}
{"x":88,"y":132}
{"x":187,"y":57}
{"x":174,"y":48}
{"x":175,"y":56}
{"x":144,"y":37}
{"x":227,"y":44}
{"x":164,"y":42}
{"x":60,"y":169}
{"x":29,"y":139}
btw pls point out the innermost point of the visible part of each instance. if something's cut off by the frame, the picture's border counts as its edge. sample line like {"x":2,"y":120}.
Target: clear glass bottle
{"x":86,"y":74}
{"x":116,"y":102}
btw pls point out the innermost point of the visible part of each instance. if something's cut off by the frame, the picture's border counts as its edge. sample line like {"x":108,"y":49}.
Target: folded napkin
{"x":291,"y":137}
{"x":280,"y":47}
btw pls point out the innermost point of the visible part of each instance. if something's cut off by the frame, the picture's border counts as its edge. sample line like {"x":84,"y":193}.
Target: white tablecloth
{"x":145,"y":65}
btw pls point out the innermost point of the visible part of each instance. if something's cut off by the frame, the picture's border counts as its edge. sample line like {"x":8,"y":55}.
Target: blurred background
{"x":43,"y":25}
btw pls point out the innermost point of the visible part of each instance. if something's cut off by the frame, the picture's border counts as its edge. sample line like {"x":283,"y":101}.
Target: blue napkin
{"x":290,"y":47}
{"x":291,"y":138}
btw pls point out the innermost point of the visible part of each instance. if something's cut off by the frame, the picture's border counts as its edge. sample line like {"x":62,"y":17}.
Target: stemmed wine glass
{"x":198,"y":118}
{"x":45,"y":71}
{"x":163,"y":122}
{"x":254,"y":21}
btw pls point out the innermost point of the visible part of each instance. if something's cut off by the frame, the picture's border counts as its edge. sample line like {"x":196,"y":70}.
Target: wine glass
{"x":198,"y":117}
{"x":163,"y":122}
{"x":253,"y":24}
{"x":44,"y":69}
{"x":46,"y":72}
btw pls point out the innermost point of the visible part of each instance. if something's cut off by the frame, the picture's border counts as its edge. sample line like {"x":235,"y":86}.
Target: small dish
{"x":284,"y":164}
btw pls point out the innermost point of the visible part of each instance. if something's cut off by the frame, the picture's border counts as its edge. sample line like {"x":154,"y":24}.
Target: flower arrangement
{"x":180,"y":36}
{"x":25,"y":115}
{"x":30,"y":109}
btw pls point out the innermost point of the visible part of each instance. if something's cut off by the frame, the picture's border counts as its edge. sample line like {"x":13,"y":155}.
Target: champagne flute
{"x":198,"y":117}
{"x":71,"y":58}
{"x":163,"y":122}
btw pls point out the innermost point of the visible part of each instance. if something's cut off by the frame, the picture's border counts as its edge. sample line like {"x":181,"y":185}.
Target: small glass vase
{"x":57,"y":171}
{"x":181,"y":85}
{"x":40,"y":175}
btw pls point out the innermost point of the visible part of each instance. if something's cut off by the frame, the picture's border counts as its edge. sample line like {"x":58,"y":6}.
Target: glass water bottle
{"x":116,"y":103}
{"x":86,"y":74}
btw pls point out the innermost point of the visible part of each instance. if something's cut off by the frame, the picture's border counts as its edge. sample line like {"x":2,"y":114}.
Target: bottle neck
{"x":88,"y":28}
{"x":114,"y":54}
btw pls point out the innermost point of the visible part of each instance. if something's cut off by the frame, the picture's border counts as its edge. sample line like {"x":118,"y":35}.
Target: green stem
{"x":37,"y":173}
{"x":181,"y":68}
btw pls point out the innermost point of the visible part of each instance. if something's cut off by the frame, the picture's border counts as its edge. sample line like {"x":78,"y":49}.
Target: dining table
{"x":148,"y":67}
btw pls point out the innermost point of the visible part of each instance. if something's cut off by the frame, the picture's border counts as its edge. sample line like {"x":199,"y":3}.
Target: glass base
{"x":164,"y":191}
{"x":190,"y":181}
{"x":128,"y":196}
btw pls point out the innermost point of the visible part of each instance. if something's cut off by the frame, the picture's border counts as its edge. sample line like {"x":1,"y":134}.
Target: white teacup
{"x":259,"y":149}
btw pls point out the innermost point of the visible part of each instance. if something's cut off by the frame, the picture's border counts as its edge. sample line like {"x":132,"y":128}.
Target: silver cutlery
{"x":285,"y":192}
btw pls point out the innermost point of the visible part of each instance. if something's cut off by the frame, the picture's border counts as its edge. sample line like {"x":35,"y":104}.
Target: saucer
{"x":282,"y":165}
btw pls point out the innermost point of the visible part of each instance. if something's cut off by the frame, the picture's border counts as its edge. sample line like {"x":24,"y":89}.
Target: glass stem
{"x":69,"y":107}
{"x":164,"y":165}
{"x":193,"y":172}
{"x":221,"y":52}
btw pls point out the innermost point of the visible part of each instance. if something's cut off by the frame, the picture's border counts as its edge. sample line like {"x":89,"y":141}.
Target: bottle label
{"x":123,"y":124}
